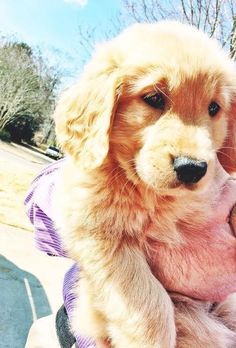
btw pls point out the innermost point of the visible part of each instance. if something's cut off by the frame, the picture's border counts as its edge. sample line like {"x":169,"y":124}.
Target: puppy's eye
{"x":156,"y":100}
{"x":213,"y":108}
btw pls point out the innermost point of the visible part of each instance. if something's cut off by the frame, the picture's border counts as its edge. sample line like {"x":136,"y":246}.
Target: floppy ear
{"x":85,"y":113}
{"x":227,"y":154}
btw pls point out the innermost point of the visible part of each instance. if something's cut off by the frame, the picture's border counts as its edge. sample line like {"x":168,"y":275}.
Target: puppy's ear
{"x":227,"y":154}
{"x":85,"y":113}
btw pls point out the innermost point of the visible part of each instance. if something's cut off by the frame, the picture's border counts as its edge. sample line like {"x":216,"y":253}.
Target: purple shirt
{"x":39,"y":210}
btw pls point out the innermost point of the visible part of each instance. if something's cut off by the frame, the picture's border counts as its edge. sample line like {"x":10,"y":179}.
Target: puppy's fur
{"x":120,"y":201}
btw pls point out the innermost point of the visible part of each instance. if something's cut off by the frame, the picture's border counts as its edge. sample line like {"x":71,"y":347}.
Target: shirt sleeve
{"x":38,"y":202}
{"x":39,"y":209}
{"x":71,"y":278}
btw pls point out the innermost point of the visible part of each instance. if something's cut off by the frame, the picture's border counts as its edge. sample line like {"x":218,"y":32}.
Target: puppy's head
{"x":158,"y":102}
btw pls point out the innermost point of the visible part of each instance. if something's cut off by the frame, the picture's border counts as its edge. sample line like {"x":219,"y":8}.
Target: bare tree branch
{"x":26,"y":84}
{"x":215,"y":17}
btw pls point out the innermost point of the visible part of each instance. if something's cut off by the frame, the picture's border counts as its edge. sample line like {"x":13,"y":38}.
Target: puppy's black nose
{"x":188,"y":170}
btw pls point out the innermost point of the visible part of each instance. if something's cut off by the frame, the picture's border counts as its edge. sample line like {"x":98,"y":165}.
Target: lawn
{"x":14,"y":183}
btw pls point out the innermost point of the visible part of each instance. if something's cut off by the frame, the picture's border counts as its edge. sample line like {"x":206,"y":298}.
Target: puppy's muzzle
{"x":188,"y":170}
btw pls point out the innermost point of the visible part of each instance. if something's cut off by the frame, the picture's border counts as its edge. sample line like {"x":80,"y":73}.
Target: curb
{"x":33,"y":151}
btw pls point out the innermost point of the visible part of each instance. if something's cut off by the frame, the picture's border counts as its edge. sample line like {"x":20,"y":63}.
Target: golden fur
{"x":119,"y":197}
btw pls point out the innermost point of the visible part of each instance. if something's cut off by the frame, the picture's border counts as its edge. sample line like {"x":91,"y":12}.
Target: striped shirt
{"x":40,"y":212}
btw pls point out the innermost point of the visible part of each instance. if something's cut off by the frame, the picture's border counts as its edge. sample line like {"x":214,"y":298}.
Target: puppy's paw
{"x":226,"y":312}
{"x":158,"y":334}
{"x":197,"y":327}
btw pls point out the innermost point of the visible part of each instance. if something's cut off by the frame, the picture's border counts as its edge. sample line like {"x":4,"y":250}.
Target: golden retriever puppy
{"x":143,"y":200}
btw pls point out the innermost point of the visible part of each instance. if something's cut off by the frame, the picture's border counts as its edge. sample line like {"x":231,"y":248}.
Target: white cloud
{"x":81,"y":3}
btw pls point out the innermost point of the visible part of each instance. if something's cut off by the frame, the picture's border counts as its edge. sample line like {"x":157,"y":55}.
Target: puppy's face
{"x":157,"y":101}
{"x":172,"y":116}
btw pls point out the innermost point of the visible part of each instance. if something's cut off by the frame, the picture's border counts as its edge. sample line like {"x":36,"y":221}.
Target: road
{"x":28,"y":158}
{"x":30,"y":282}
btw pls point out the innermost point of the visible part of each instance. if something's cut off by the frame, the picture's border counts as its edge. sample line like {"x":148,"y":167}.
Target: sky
{"x":53,"y":25}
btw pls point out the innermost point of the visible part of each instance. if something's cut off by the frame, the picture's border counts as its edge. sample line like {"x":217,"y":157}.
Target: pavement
{"x":30,"y":281}
{"x":23,"y":155}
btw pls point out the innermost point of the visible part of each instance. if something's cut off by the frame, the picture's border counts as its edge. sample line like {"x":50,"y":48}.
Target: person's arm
{"x":39,"y":209}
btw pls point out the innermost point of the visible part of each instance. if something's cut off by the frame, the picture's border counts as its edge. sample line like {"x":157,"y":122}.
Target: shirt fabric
{"x":40,"y":212}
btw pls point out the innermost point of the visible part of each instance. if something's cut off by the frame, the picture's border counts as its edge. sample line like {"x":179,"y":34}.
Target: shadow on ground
{"x":22,"y":300}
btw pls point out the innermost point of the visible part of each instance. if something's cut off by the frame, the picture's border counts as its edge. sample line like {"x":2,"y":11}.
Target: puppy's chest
{"x":146,"y":222}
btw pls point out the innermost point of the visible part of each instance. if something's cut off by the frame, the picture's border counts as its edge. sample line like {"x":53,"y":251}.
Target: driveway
{"x":30,"y":282}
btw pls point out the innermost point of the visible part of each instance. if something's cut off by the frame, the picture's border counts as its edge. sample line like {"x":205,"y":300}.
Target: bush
{"x":22,"y":128}
{"x":5,"y":136}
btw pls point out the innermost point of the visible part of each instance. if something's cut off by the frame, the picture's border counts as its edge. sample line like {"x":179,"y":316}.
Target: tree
{"x":23,"y":128}
{"x":215,"y":17}
{"x":27,"y":88}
